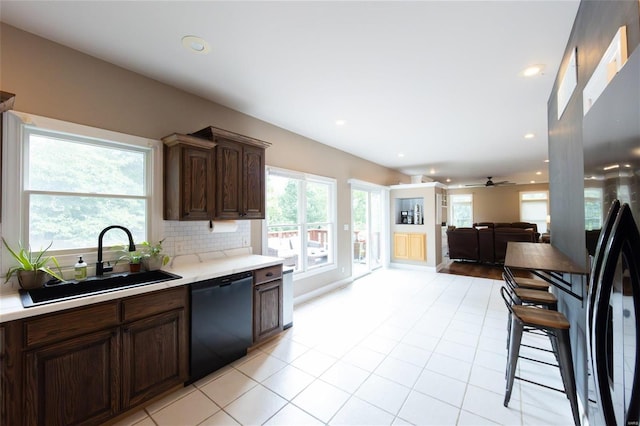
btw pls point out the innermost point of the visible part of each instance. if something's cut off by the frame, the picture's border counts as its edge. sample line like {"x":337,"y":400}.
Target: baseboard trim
{"x":393,"y":265}
{"x":322,"y":290}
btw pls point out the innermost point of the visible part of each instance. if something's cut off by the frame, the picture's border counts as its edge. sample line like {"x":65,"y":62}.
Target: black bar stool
{"x":551,"y":323}
{"x":528,"y":296}
{"x":530,"y":283}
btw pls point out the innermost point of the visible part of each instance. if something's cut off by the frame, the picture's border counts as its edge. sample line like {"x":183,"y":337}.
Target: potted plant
{"x":32,"y":269}
{"x":153,"y":258}
{"x":133,"y":257}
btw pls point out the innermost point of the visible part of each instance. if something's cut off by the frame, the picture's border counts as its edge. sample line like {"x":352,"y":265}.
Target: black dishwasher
{"x":221,"y":322}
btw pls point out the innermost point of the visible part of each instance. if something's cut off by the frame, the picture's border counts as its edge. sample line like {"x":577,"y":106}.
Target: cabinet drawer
{"x":152,"y":303}
{"x":267,"y":274}
{"x":56,"y":327}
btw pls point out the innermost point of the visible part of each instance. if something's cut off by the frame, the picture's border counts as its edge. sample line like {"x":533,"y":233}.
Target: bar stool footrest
{"x":539,"y":384}
{"x":539,"y":362}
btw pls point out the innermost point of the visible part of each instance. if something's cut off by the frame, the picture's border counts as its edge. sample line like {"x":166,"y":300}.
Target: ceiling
{"x":431,"y":88}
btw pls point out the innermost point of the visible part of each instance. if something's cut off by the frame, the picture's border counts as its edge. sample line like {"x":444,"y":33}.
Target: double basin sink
{"x":94,"y":285}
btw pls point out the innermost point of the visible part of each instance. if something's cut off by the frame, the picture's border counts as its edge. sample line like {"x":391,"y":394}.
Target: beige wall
{"x":54,"y":81}
{"x":498,"y":204}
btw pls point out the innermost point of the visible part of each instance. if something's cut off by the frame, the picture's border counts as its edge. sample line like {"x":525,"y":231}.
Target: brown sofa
{"x":487,"y":241}
{"x":463,"y":243}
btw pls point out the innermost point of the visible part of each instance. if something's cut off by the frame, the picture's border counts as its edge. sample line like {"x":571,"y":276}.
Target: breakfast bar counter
{"x":547,"y":262}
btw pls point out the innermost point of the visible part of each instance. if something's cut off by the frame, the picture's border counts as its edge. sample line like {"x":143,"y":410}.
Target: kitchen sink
{"x":56,"y":292}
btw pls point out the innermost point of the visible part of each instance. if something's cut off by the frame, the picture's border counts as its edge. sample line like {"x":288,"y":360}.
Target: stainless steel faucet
{"x":100,"y":268}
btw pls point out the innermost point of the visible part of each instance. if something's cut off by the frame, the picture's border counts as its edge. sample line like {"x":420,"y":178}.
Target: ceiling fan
{"x":490,"y":183}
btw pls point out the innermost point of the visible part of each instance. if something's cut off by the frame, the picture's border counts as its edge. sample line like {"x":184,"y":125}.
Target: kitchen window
{"x":300,"y":219}
{"x":72,"y":181}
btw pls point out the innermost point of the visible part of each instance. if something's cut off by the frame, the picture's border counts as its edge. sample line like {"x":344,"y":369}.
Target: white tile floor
{"x":395,"y":347}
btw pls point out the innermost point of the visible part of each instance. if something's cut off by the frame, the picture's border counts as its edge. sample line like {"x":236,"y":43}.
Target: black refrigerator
{"x":613,"y":318}
{"x":611,"y":146}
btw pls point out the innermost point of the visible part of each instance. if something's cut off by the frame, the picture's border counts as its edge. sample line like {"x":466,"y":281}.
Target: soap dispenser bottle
{"x":80,"y":269}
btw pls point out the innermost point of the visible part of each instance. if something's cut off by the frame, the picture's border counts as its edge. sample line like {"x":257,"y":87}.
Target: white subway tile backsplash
{"x":196,"y":238}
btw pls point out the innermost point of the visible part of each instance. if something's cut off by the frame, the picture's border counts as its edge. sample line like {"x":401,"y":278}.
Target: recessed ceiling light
{"x":341,"y":122}
{"x":196,"y":44}
{"x":400,"y":154}
{"x":546,"y":161}
{"x":533,"y":181}
{"x":432,"y":171}
{"x":538,"y":173}
{"x":529,"y":136}
{"x":533,"y":70}
{"x":448,"y":180}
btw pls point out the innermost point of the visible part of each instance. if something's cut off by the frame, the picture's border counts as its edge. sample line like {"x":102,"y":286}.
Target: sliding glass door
{"x":367,"y":219}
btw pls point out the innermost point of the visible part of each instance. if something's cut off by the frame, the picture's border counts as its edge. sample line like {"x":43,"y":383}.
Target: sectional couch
{"x":487,"y":241}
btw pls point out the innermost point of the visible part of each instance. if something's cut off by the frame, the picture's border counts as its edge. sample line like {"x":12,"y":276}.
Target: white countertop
{"x":191,"y":268}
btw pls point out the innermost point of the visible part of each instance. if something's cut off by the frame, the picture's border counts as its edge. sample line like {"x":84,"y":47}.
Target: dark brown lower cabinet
{"x":267,"y":315}
{"x":89,"y":364}
{"x":153,"y":352}
{"x":73,"y":382}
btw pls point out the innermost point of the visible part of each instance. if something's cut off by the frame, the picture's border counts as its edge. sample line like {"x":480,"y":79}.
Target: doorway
{"x":367,"y":218}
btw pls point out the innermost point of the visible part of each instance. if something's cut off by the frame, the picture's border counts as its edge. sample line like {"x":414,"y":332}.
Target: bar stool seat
{"x":551,"y":323}
{"x":531,"y":283}
{"x":537,"y":297}
{"x":531,"y":315}
{"x":530,"y":296}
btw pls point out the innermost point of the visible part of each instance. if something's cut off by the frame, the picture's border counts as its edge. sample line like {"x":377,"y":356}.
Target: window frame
{"x":303,"y":268}
{"x":451,"y":206}
{"x":15,"y":222}
{"x":599,"y":200}
{"x":522,"y":219}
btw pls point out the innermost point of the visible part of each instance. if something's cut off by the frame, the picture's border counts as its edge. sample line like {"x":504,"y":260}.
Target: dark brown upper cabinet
{"x":189,"y":189}
{"x":239,"y":174}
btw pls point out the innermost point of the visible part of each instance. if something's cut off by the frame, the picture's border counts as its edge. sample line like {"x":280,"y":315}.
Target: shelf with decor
{"x":409,"y":211}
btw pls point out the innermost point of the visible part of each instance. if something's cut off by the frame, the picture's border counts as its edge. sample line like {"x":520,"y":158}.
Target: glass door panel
{"x":367,"y":231}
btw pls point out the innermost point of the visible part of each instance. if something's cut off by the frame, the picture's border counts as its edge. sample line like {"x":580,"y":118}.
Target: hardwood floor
{"x":482,"y":270}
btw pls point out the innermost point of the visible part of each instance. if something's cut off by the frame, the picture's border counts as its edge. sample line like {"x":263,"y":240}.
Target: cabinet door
{"x":401,"y":245}
{"x":154,"y":356}
{"x":417,"y":243}
{"x":228,"y":180}
{"x":73,"y":382}
{"x":267,"y":315}
{"x":253,"y":184}
{"x":197,"y":184}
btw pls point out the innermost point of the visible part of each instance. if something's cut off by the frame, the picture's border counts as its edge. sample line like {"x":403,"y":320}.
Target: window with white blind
{"x":461,"y":210}
{"x":593,"y":208}
{"x":534,"y":208}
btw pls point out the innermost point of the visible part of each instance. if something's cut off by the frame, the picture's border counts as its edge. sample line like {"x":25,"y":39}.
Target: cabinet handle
{"x":269,"y":274}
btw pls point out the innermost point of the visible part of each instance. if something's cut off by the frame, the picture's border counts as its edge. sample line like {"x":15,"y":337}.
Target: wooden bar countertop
{"x":541,"y":257}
